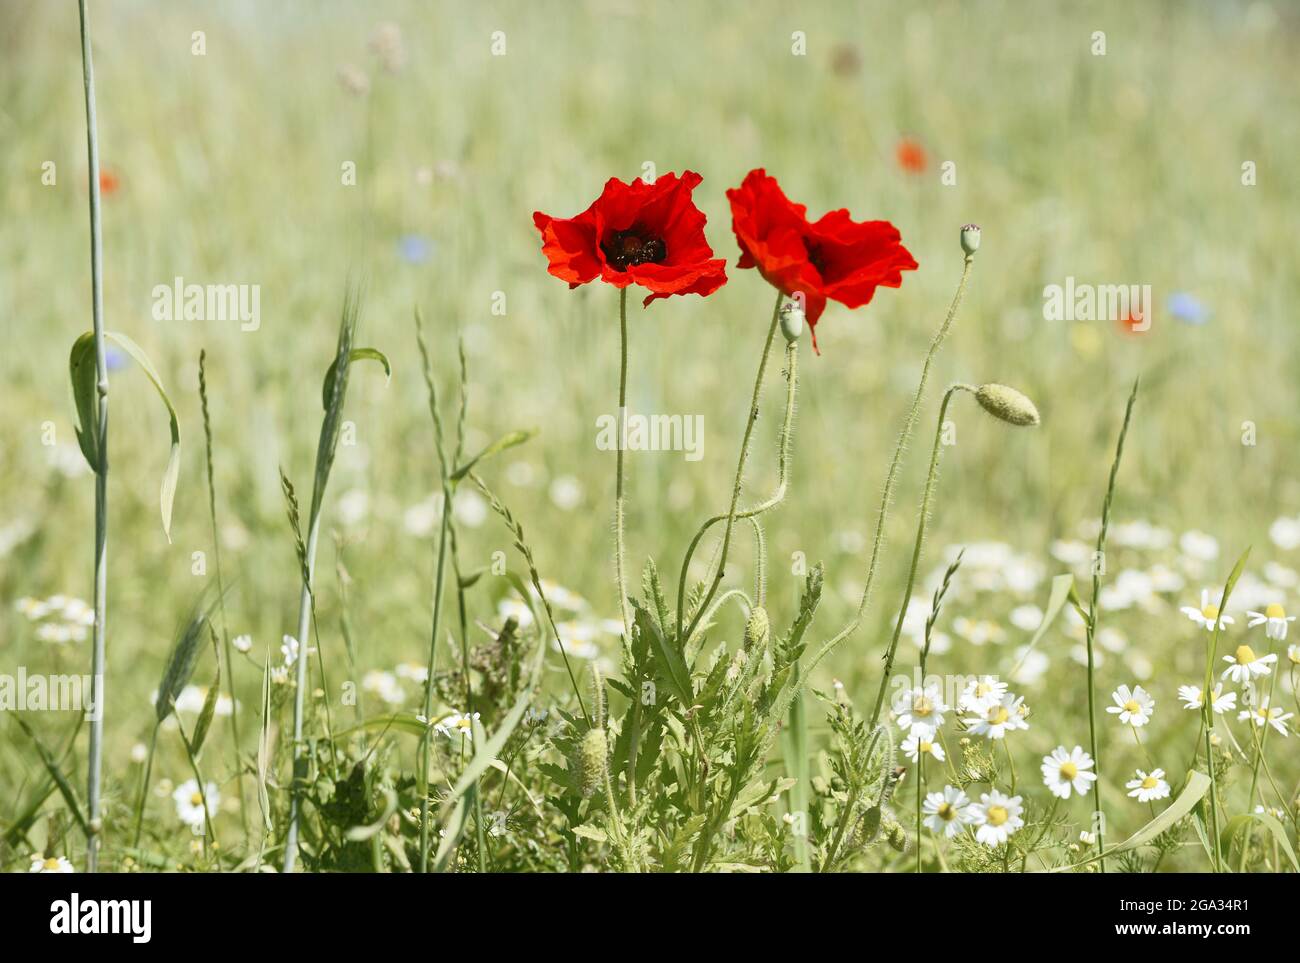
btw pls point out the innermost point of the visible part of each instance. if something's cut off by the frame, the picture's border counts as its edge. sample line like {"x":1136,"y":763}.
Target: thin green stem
{"x":891,"y":477}
{"x":737,"y":485}
{"x":93,"y":821}
{"x":1090,"y":626}
{"x":620,"y":574}
{"x":300,"y":664}
{"x":931,"y":480}
{"x":783,"y":475}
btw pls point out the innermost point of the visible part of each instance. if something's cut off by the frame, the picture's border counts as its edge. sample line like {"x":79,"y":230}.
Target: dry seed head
{"x":970,"y":238}
{"x":1007,"y":404}
{"x":792,"y":319}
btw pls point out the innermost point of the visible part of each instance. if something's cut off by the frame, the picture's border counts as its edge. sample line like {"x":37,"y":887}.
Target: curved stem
{"x":732,"y":513}
{"x":887,"y":495}
{"x":620,"y":575}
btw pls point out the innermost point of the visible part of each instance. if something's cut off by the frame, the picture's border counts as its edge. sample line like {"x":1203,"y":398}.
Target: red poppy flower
{"x":833,"y":258}
{"x":911,"y":156}
{"x":637,"y":233}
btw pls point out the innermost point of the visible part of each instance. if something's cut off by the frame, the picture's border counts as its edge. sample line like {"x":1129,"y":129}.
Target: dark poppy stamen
{"x":815,"y":257}
{"x":624,"y":249}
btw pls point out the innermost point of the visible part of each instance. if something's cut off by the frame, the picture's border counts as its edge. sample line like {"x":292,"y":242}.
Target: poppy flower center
{"x":816,"y":256}
{"x":625,"y":249}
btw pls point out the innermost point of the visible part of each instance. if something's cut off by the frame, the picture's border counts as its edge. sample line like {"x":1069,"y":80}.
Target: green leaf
{"x":1062,"y":589}
{"x":357,"y":354}
{"x":52,"y":767}
{"x":509,"y":440}
{"x":672,"y":662}
{"x":81,"y":369}
{"x":206,"y":713}
{"x":594,"y":833}
{"x":358,"y":834}
{"x":1271,"y":823}
{"x":1198,"y":784}
{"x":172,"y":472}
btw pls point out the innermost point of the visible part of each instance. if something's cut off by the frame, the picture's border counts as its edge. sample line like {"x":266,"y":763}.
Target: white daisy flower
{"x":1026,"y":617}
{"x":1293,"y":653}
{"x":1148,"y":786}
{"x":1133,"y":706}
{"x":189,"y":802}
{"x":1274,"y":619}
{"x":55,"y":864}
{"x":1065,"y":771}
{"x":920,"y":711}
{"x":1262,"y":715}
{"x":1207,"y":614}
{"x":289,"y":647}
{"x":997,"y":817}
{"x":1244,"y":665}
{"x":242,"y":643}
{"x":1193,"y":697}
{"x":384,"y":685}
{"x":456,"y":724}
{"x":919,"y":742}
{"x":1001,"y":717}
{"x":981,"y":694}
{"x":947,"y":812}
{"x":1087,"y":838}
{"x":1285,"y":533}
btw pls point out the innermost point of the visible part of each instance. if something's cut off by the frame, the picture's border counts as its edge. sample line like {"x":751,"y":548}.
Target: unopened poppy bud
{"x":970,"y":238}
{"x":757,"y":628}
{"x":1007,"y":404}
{"x":792,"y":321}
{"x":592,"y":753}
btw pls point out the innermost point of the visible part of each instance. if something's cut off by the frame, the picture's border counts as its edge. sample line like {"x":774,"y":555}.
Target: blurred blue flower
{"x":1186,"y":308}
{"x":115,"y":359}
{"x":415,"y":248}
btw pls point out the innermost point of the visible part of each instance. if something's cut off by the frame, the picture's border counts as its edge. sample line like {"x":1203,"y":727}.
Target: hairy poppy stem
{"x":101,"y":470}
{"x":740,"y":477}
{"x":887,"y":495}
{"x":620,"y":575}
{"x":778,"y":496}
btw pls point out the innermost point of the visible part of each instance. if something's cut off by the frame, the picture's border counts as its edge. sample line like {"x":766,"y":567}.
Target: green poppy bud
{"x":592,"y":754}
{"x":970,"y":238}
{"x":757,"y":628}
{"x":1007,"y":404}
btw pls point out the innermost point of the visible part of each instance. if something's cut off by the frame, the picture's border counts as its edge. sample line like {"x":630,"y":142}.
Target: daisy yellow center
{"x":998,"y":715}
{"x":1150,"y":782}
{"x":924,"y":746}
{"x":51,"y":863}
{"x":1210,"y":611}
{"x":982,"y":689}
{"x":1245,"y":655}
{"x":947,"y":812}
{"x":1132,"y":706}
{"x":1069,"y":770}
{"x":196,"y":799}
{"x":922,"y":706}
{"x":998,"y":815}
{"x":1275,"y":611}
{"x":463,"y":725}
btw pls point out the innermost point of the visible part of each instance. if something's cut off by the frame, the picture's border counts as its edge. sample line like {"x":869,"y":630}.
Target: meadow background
{"x":1122,"y":168}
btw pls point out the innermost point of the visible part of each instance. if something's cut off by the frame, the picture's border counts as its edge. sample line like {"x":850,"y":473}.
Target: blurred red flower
{"x":911,"y":156}
{"x":109,"y":182}
{"x":637,"y":233}
{"x":833,"y":258}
